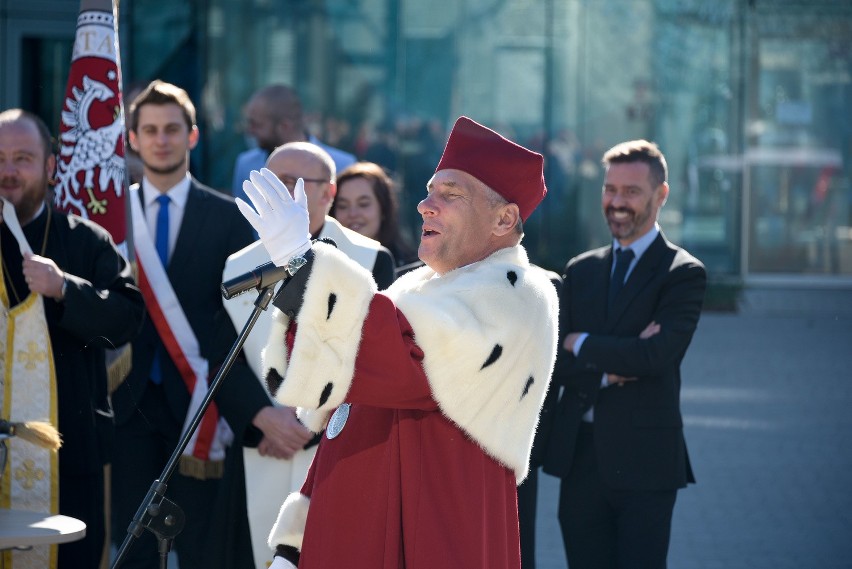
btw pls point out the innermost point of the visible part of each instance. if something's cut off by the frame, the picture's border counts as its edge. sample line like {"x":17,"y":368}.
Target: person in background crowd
{"x":274,"y":116}
{"x":183,"y":232}
{"x":627,"y":315}
{"x":435,"y":385}
{"x":366,"y":202}
{"x":62,"y":279}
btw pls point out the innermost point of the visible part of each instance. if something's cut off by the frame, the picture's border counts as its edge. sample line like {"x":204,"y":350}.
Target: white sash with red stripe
{"x":213,"y":434}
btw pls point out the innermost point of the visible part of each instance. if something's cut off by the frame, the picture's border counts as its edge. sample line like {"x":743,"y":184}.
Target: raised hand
{"x":279,"y":219}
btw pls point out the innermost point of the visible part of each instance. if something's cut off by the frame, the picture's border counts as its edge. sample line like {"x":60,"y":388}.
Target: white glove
{"x":281,"y":221}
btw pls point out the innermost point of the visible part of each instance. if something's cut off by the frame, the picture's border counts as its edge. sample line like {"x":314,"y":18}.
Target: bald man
{"x":274,"y":454}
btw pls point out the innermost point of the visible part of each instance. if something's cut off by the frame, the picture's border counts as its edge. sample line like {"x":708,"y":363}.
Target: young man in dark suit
{"x":183,"y":233}
{"x":627,"y":315}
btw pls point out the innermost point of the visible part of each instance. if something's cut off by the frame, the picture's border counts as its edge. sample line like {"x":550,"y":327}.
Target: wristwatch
{"x":295,"y":263}
{"x":289,"y":297}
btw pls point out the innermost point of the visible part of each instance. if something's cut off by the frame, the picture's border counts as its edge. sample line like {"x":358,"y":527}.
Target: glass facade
{"x":751,"y":101}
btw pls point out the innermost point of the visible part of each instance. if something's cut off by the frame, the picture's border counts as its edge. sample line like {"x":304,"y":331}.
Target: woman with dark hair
{"x":365,"y":202}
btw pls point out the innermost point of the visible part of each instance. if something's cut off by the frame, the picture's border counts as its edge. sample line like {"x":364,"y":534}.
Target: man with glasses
{"x":278,"y":464}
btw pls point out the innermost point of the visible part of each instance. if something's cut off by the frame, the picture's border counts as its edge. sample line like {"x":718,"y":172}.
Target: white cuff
{"x":578,"y":343}
{"x":282,"y":260}
{"x":281,"y":563}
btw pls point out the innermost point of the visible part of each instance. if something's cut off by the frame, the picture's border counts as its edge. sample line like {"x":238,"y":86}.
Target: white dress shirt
{"x":178,"y":194}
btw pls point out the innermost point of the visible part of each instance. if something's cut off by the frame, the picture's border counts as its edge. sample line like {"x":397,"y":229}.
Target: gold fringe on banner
{"x":201,"y":469}
{"x":118,"y":364}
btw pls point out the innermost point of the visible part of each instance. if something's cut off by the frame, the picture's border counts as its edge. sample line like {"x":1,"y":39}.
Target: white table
{"x":19,"y":528}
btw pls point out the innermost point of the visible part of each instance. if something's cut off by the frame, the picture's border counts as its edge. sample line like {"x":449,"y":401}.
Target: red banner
{"x":91,"y":167}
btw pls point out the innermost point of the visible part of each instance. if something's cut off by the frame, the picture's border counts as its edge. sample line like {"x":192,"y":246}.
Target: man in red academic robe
{"x":435,"y":384}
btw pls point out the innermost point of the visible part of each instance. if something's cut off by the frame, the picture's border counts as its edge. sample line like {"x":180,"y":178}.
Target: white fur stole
{"x":488,"y":332}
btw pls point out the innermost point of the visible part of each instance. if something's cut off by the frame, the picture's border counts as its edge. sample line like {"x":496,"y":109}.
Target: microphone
{"x":258,"y":278}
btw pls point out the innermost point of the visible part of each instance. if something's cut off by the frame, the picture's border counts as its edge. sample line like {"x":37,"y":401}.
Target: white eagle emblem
{"x":88,"y":149}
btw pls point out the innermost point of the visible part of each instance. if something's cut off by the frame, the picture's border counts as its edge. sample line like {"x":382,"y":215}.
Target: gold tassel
{"x":39,"y":433}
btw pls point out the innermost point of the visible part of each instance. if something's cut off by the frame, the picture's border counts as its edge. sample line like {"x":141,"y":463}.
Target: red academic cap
{"x":509,"y":169}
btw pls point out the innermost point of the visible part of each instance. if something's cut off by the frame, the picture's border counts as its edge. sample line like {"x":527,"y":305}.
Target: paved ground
{"x":767,"y":404}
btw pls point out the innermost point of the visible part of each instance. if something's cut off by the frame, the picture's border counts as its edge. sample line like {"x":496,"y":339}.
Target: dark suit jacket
{"x":212,"y":228}
{"x":638,"y":426}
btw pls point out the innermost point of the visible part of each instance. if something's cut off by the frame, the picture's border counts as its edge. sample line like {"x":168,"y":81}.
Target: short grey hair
{"x":496,"y":200}
{"x":317,"y":152}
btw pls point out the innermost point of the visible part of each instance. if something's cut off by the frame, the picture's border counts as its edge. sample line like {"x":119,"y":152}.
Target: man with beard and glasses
{"x":183,"y":232}
{"x":627,"y":315}
{"x":67,"y":294}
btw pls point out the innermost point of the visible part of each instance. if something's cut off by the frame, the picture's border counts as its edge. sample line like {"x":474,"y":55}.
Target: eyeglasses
{"x":290,"y":181}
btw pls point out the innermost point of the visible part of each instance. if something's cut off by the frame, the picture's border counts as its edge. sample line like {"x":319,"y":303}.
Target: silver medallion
{"x":337,"y":421}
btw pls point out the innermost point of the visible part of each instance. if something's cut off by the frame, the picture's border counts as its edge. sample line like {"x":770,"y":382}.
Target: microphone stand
{"x":156,"y":513}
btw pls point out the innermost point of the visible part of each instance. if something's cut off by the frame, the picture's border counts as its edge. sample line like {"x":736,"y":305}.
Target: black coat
{"x":102,"y":308}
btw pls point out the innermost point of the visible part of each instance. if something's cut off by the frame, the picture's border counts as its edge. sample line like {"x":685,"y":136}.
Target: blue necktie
{"x":162,"y":244}
{"x":162,"y":240}
{"x":623,"y":257}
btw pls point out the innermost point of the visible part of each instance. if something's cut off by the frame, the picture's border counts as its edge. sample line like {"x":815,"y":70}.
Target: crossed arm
{"x":571,"y":339}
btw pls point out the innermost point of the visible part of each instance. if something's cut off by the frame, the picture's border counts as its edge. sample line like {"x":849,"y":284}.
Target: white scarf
{"x":28,"y":392}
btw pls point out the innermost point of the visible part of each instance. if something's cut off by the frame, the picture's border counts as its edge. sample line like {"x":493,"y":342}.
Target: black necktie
{"x":623,"y":257}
